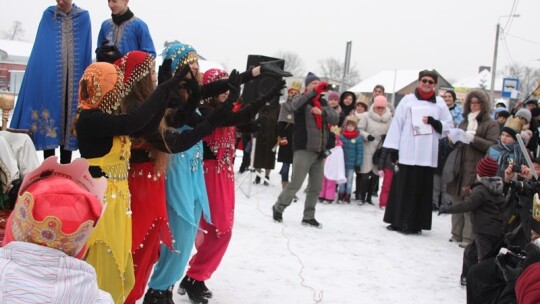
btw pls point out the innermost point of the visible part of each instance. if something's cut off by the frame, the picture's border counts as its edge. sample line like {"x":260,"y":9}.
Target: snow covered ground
{"x":352,"y":259}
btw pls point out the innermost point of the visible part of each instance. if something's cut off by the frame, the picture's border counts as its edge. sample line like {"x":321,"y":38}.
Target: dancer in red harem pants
{"x":211,"y":246}
{"x":219,"y":149}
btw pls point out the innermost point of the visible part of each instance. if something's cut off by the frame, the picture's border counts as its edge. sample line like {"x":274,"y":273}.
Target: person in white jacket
{"x":56,"y":211}
{"x":420,"y":120}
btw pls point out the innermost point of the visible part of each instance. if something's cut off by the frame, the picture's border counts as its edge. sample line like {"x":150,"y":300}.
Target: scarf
{"x":317,"y":104}
{"x":119,"y":19}
{"x":506,"y":153}
{"x":425,"y":96}
{"x":350,"y":134}
{"x":471,"y":119}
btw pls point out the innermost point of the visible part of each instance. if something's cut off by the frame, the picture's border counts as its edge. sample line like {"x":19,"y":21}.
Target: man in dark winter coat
{"x":311,"y":118}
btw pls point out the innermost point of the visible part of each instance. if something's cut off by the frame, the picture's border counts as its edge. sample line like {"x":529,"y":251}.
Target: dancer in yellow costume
{"x":102,"y":131}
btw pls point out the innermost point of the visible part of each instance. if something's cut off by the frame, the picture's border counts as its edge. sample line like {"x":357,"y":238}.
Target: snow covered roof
{"x":16,"y":48}
{"x":482,"y":79}
{"x":392,"y":80}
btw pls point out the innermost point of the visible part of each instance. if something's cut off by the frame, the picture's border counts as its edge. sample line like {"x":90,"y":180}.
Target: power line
{"x":509,"y":56}
{"x":524,"y":39}
{"x":512,"y":13}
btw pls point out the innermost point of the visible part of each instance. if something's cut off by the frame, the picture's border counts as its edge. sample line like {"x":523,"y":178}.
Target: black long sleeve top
{"x":96,"y":129}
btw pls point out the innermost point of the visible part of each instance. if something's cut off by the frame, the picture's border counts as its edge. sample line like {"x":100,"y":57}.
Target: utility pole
{"x":494,"y":65}
{"x":347,"y":62}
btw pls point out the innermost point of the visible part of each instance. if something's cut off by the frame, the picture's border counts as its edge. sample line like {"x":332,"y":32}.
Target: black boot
{"x":153,"y":296}
{"x":168,"y":294}
{"x":194,"y":290}
{"x":207,"y":293}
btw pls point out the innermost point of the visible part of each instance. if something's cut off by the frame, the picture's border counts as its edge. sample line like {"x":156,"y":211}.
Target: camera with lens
{"x":324,"y":154}
{"x":527,"y":188}
{"x":511,"y":258}
{"x":332,"y":87}
{"x":516,"y":168}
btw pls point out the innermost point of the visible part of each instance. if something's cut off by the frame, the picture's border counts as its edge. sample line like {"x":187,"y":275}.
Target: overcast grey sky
{"x":454,"y":37}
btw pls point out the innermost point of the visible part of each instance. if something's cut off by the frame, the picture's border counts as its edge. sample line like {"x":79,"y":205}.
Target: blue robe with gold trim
{"x":48,"y":98}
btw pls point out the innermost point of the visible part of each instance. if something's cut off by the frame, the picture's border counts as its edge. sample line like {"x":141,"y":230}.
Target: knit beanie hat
{"x":379,"y":102}
{"x":431,"y":74}
{"x":310,"y":78}
{"x":486,"y":167}
{"x":513,"y":126}
{"x":524,"y":113}
{"x":333,"y":96}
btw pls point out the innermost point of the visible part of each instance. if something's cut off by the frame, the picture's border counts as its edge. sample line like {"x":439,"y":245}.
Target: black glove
{"x":271,"y":69}
{"x":370,"y":138}
{"x":436,"y":124}
{"x":234,"y":83}
{"x":357,"y":169}
{"x":173,"y":85}
{"x":164,"y":71}
{"x":510,"y":265}
{"x":107,"y":52}
{"x":193,"y":87}
{"x":217,"y":117}
{"x":194,"y":97}
{"x":180,"y":74}
{"x":275,"y":91}
{"x":444,"y":208}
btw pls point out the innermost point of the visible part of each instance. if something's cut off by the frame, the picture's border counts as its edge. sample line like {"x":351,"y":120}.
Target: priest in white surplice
{"x":421,"y":118}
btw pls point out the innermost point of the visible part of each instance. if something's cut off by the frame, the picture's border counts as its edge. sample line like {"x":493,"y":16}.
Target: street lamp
{"x":494,"y":65}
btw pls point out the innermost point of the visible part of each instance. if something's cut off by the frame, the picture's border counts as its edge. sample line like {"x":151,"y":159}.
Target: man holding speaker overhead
{"x":311,"y":117}
{"x":266,"y":143}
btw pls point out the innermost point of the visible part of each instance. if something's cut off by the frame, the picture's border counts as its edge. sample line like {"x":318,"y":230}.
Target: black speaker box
{"x":262,"y":84}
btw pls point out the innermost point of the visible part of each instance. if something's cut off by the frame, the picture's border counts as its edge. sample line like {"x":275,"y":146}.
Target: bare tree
{"x":332,"y":68}
{"x":293,"y":63}
{"x":16,"y":32}
{"x":528,"y":78}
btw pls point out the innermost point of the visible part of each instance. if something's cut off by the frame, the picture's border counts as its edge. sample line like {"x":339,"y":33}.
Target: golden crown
{"x":296,"y":85}
{"x":48,"y":232}
{"x":514,"y":123}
